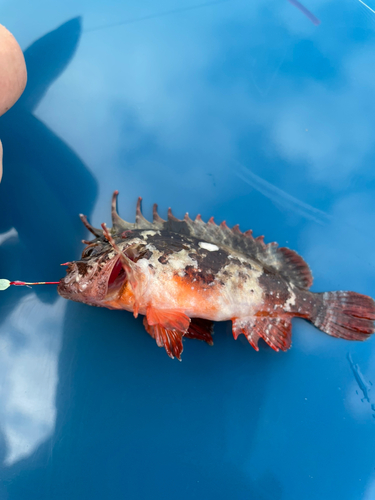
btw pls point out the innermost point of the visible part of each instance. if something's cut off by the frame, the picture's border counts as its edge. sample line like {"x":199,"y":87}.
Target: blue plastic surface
{"x":245,"y":111}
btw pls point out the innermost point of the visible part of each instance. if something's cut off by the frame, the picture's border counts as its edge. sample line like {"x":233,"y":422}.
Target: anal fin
{"x":170,"y":339}
{"x":277,"y":332}
{"x":246,"y":327}
{"x":200,"y":329}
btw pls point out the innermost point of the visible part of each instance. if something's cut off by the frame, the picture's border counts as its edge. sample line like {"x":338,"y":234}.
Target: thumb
{"x":13,"y":74}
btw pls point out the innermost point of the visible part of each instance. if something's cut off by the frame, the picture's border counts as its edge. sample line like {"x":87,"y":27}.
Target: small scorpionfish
{"x":182,"y":275}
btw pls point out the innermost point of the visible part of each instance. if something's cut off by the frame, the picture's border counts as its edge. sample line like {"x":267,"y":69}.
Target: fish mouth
{"x":116,"y":279}
{"x":93,"y":287}
{"x":69,"y":286}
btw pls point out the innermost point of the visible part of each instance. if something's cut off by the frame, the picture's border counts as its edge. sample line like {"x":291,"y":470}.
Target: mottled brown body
{"x":183,"y":275}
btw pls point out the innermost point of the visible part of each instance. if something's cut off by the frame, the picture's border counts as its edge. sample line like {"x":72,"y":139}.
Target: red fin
{"x":347,"y":315}
{"x":168,"y":318}
{"x":245,"y":327}
{"x":200,"y":329}
{"x":277,"y":332}
{"x":294,"y":268}
{"x":170,"y":339}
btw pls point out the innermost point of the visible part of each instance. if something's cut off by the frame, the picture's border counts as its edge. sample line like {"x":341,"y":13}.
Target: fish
{"x":184,"y":275}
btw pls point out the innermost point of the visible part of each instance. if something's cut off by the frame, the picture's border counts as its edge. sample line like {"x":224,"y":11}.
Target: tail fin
{"x":346,"y":315}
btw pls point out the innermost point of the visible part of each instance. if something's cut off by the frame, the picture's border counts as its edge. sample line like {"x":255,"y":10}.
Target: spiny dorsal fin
{"x":140,"y":221}
{"x":286,"y":262}
{"x":283,"y":260}
{"x":118,"y":224}
{"x":96,"y":232}
{"x":157,"y":220}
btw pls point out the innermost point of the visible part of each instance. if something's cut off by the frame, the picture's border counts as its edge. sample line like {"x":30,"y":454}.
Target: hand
{"x":13,"y":75}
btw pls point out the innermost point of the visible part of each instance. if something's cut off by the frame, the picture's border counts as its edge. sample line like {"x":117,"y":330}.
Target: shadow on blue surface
{"x":45,"y":184}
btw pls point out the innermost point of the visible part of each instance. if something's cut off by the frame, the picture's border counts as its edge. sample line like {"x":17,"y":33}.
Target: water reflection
{"x":29,"y":348}
{"x":279,"y":197}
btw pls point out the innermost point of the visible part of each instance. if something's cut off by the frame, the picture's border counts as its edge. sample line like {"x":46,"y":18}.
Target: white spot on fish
{"x":145,"y":234}
{"x":290,"y":302}
{"x":208,"y":246}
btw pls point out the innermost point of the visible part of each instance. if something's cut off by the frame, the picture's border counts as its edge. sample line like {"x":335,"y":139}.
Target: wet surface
{"x":245,"y":111}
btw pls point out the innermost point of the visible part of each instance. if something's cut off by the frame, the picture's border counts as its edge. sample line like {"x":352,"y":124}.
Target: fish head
{"x":109,"y":262}
{"x":96,"y":274}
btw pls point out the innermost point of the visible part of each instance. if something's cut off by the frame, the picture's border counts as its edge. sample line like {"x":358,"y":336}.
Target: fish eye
{"x":87,"y":252}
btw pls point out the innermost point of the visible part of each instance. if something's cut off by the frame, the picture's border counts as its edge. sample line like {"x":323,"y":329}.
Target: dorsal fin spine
{"x":118,"y":224}
{"x":96,"y":232}
{"x":141,"y":222}
{"x":156,"y":217}
{"x":171,"y":216}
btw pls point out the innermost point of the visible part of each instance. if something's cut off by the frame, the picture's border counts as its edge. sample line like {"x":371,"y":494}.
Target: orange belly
{"x":180,"y":294}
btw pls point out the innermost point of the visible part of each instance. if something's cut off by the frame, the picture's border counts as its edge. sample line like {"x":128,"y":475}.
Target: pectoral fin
{"x":168,"y":318}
